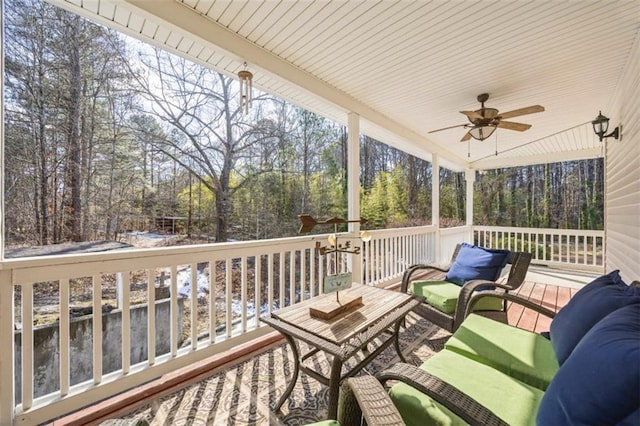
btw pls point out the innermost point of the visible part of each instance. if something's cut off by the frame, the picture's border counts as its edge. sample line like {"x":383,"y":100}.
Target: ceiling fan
{"x":484,"y":121}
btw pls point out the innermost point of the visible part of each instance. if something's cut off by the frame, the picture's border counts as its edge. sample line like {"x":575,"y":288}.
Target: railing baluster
{"x":174,"y":311}
{"x":151,"y":316}
{"x":281,"y":279}
{"x":243,"y":294}
{"x":312,"y":272}
{"x":27,"y":346}
{"x":194,"y":306}
{"x":303,"y":274}
{"x":7,"y":348}
{"x":213,"y":295}
{"x":229,"y":295}
{"x":270,"y":282}
{"x":63,"y":325}
{"x":257,"y":294}
{"x":126,"y":322}
{"x":97,"y":328}
{"x":292,"y":277}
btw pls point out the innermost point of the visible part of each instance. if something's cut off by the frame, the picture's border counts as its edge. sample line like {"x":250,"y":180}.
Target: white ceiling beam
{"x":186,"y":20}
{"x":497,"y":162}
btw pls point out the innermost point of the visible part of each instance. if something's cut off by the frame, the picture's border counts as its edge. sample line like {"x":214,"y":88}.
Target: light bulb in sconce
{"x":332,"y":239}
{"x":365,"y":236}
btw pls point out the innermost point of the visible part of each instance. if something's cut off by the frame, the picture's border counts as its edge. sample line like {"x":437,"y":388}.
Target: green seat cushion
{"x":443,"y":296}
{"x":513,"y":401}
{"x":325,"y":423}
{"x":524,"y":355}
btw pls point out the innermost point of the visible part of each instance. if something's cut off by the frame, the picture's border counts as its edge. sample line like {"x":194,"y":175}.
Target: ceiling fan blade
{"x":472,"y":115}
{"x":514,"y":126}
{"x":466,"y":137}
{"x":447,"y":128}
{"x":522,"y":111}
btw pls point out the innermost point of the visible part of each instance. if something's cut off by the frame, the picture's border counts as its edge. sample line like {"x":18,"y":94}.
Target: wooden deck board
{"x":549,"y":296}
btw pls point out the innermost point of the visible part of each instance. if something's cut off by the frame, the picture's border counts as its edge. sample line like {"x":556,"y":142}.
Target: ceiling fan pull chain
{"x":496,"y":142}
{"x":468,"y":148}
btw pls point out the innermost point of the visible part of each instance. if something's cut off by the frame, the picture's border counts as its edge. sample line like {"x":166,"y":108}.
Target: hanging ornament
{"x":246,"y":79}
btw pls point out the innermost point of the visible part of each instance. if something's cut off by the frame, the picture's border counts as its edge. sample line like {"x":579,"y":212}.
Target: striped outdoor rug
{"x":244,"y":393}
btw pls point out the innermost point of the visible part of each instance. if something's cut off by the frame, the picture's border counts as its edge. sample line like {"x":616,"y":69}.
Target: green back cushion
{"x":526,"y":356}
{"x":513,"y":401}
{"x":443,"y":296}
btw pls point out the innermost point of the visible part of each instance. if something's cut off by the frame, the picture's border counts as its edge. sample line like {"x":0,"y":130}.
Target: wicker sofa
{"x":490,"y":373}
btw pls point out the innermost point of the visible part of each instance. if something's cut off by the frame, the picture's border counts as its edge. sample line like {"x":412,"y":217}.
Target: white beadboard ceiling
{"x":408,"y":67}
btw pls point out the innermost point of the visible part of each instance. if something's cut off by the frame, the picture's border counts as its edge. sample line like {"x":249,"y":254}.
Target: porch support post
{"x":470,"y":176}
{"x":435,"y":203}
{"x":7,"y":343}
{"x":353,"y":188}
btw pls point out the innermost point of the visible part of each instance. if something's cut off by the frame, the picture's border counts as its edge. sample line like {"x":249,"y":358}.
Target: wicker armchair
{"x":519,"y":265}
{"x":365,"y":397}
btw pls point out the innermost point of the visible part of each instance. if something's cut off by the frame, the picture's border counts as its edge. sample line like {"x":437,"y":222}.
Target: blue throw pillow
{"x":477,"y":263}
{"x":599,"y":384}
{"x":589,"y":305}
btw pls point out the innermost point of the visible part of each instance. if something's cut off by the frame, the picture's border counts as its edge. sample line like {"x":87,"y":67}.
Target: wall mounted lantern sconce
{"x":601,"y":125}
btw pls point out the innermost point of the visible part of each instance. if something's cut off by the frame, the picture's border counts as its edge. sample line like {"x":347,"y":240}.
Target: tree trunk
{"x":73,"y":204}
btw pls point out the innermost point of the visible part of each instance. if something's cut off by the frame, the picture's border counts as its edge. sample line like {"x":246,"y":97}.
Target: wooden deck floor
{"x":550,"y":296}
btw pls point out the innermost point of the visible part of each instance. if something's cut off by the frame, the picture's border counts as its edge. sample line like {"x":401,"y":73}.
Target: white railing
{"x":577,"y":249}
{"x":244,"y":280}
{"x":235,"y":284}
{"x":238,"y":282}
{"x":390,"y":251}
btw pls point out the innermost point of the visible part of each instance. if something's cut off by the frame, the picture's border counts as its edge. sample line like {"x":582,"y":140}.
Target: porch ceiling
{"x":410,"y":67}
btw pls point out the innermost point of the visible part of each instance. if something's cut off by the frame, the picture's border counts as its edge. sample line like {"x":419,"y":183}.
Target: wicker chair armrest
{"x":466,"y":292}
{"x":510,"y":297}
{"x":406,"y":277}
{"x":451,"y":397}
{"x":364,"y":396}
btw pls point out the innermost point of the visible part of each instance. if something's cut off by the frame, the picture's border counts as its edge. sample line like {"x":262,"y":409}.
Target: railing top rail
{"x":200,"y":251}
{"x":455,"y":230}
{"x":578,"y":232}
{"x":413,"y":230}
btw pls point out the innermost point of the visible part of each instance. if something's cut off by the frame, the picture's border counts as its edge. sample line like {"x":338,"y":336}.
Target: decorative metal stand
{"x":327,"y":309}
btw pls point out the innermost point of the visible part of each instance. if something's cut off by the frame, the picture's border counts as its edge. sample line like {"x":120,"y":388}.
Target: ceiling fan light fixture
{"x":482,"y":132}
{"x":490,"y":112}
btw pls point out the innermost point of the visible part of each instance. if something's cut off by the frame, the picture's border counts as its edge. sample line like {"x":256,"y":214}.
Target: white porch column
{"x":435,"y":202}
{"x":470,"y":176}
{"x":353,"y":188}
{"x":6,"y":286}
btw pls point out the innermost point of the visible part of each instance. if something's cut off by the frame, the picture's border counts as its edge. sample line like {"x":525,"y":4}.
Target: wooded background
{"x":103,"y":134}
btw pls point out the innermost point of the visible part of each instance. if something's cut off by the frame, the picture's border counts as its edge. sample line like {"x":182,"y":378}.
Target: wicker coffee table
{"x":344,"y":336}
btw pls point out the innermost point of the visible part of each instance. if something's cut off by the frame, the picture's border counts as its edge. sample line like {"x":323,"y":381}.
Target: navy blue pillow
{"x":477,"y":263}
{"x":599,"y":384}
{"x":589,"y":305}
